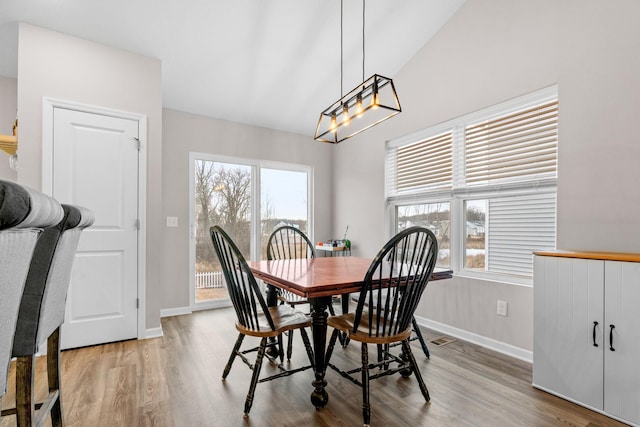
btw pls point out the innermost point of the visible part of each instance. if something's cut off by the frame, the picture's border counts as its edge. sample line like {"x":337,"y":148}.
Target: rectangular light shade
{"x":379,"y":101}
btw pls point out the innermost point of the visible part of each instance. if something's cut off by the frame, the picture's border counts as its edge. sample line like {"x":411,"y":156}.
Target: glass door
{"x":222,"y":196}
{"x":283,"y":201}
{"x":248,"y":199}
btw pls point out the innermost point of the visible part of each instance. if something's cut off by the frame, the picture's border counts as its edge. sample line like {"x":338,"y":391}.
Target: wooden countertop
{"x":605,"y":256}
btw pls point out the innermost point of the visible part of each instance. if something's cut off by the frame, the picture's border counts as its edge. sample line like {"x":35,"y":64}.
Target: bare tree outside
{"x":222,"y":197}
{"x":204,"y":198}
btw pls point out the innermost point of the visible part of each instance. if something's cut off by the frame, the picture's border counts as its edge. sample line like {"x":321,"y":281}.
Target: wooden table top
{"x":318,"y":277}
{"x":313,"y":277}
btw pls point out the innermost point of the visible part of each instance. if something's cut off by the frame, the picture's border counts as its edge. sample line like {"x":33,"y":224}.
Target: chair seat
{"x":285,"y":318}
{"x":345,"y":322}
{"x":291,"y":298}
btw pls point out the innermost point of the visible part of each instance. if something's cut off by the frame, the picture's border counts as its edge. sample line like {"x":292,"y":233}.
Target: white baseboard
{"x":480,"y":340}
{"x":153,"y":332}
{"x":177,"y":311}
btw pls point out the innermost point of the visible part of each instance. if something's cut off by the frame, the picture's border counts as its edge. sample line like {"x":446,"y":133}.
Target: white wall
{"x":491,"y":51}
{"x":55,"y":65}
{"x":184,"y":133}
{"x":8,"y":106}
{"x":599,"y":170}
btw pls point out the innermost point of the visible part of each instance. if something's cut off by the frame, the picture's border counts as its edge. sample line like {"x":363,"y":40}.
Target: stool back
{"x":23,"y":214}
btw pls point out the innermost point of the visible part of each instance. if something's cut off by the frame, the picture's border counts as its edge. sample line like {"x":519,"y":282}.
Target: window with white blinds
{"x":516,"y":227}
{"x":518,"y":146}
{"x":497,"y":169}
{"x":426,"y":164}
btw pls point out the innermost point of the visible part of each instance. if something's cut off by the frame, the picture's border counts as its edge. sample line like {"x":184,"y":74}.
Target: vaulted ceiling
{"x":270,"y":63}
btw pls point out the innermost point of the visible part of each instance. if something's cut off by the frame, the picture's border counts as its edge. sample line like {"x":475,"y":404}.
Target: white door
{"x":95,"y":165}
{"x":622,"y":342}
{"x":568,"y":321}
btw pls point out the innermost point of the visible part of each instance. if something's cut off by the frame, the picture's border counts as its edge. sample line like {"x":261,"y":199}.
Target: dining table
{"x":318,"y":280}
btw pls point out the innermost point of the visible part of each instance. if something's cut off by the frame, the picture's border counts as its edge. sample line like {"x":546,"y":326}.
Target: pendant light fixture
{"x":371,"y":102}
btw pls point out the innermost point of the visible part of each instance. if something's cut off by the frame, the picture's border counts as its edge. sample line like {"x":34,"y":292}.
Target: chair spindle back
{"x":289,"y":242}
{"x":395,"y":282}
{"x":243,"y":289}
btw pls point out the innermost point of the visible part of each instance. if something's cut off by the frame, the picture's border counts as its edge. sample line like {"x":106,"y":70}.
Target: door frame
{"x":48,"y":106}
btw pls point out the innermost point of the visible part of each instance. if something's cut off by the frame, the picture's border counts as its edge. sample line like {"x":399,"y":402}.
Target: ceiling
{"x":270,"y":63}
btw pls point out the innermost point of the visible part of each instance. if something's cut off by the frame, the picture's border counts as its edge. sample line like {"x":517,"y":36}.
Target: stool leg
{"x":25,"y":406}
{"x":53,"y":373}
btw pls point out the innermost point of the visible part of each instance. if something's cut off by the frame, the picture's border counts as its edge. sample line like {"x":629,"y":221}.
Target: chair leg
{"x":307,"y":346}
{"x":420,"y":338}
{"x":289,"y":345}
{"x":330,"y":307}
{"x":25,"y":405}
{"x":53,"y":374}
{"x":256,"y":375}
{"x":233,"y":355}
{"x":366,"y":406}
{"x":332,"y":343}
{"x":406,"y":348}
{"x":280,"y":349}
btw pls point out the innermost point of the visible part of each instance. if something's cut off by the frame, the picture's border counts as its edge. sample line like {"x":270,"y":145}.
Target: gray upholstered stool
{"x":42,"y":312}
{"x":23,"y":214}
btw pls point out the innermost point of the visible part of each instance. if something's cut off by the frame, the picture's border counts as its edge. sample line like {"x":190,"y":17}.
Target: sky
{"x":286,"y":192}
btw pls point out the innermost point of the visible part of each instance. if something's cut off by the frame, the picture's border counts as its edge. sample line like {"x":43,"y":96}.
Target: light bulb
{"x":345,"y":115}
{"x":334,"y":126}
{"x":359,"y":109}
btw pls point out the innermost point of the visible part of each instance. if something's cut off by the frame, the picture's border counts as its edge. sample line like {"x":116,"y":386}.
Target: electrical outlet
{"x":172,"y":221}
{"x":502,"y":308}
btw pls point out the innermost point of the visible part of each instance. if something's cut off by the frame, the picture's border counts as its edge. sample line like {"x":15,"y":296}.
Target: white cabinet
{"x":587,"y":333}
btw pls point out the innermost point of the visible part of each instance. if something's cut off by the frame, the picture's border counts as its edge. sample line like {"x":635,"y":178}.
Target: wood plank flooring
{"x":175,"y":381}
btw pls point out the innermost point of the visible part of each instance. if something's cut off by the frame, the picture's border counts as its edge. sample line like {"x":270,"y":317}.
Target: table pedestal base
{"x":319,"y":396}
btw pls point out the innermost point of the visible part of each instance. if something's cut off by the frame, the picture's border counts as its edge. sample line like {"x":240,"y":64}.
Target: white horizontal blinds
{"x":517,"y":226}
{"x":515,"y":147}
{"x":426,"y":164}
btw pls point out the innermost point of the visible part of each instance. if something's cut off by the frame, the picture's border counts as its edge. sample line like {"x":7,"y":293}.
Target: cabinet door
{"x":568,"y":299}
{"x":622,"y":366}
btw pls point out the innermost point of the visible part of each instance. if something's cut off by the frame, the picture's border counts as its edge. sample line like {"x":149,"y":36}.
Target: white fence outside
{"x":210,"y":279}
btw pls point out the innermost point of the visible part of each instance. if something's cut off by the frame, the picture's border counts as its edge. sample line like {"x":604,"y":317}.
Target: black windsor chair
{"x":389,"y":296}
{"x":253,"y":316}
{"x":289,"y":242}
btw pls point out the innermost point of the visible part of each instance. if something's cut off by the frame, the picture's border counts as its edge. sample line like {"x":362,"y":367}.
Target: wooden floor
{"x":175,"y":381}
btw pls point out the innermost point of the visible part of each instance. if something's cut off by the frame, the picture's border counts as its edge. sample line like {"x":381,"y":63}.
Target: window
{"x":434,"y":216}
{"x":485,"y":183}
{"x":248,"y":199}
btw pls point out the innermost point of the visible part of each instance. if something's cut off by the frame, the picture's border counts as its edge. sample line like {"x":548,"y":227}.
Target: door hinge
{"x":137,"y":224}
{"x":137,"y":302}
{"x":137,"y":143}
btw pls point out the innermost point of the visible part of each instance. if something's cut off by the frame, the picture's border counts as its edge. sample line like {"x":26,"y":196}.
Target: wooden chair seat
{"x":345,"y":324}
{"x":285,"y":318}
{"x":289,"y":298}
{"x":415,"y":335}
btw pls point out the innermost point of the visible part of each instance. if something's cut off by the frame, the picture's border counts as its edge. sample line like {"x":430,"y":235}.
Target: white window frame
{"x":459,"y":193}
